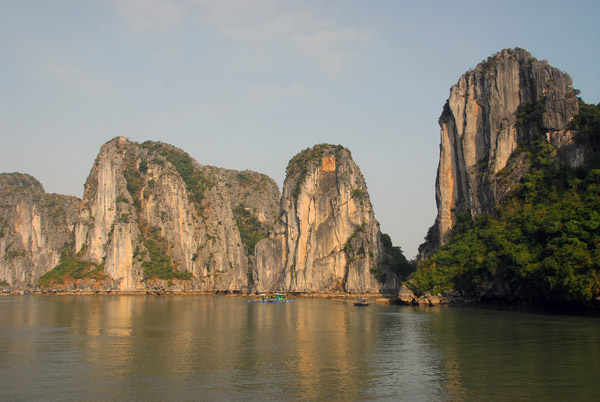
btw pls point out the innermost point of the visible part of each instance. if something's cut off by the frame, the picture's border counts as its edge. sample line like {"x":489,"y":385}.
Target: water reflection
{"x":198,"y":348}
{"x":527,"y":356}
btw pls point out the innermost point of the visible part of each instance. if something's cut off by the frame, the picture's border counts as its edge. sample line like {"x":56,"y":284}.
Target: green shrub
{"x":134,"y":179}
{"x":158,"y":265}
{"x":357,"y":193}
{"x":71,"y":267}
{"x":378,"y":274}
{"x":299,"y":165}
{"x":530,"y":112}
{"x":194,"y":179}
{"x":544,"y":242}
{"x":251,"y":231}
{"x":587,"y":124}
{"x":398,"y":262}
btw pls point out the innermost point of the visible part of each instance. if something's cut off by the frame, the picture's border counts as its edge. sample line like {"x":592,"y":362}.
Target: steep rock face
{"x":326,"y":238}
{"x":150,"y":213}
{"x":493,"y":112}
{"x":254,"y":201}
{"x":35,"y":228}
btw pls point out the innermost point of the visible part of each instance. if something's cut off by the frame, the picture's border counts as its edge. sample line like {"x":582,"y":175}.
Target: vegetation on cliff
{"x":542,"y":245}
{"x":71,"y":267}
{"x":399,"y":265}
{"x":19,"y":182}
{"x":153,"y":251}
{"x":196,"y":182}
{"x":155,"y":261}
{"x":299,"y":165}
{"x":251,"y":231}
{"x":587,"y":124}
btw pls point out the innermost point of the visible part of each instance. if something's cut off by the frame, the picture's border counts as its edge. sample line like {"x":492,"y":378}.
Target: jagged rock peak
{"x":501,"y":106}
{"x":327,"y":238}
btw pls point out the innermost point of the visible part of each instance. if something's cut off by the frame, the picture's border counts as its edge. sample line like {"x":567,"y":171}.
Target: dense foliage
{"x":300,"y":163}
{"x":398,"y":262}
{"x":155,"y":261}
{"x":135,"y":182}
{"x":160,"y":265}
{"x":587,"y":124}
{"x":195,"y":181}
{"x":251,"y":231}
{"x":71,"y":267}
{"x":543,"y":243}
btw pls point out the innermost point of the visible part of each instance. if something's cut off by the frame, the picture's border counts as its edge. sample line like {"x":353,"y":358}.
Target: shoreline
{"x":375,"y":298}
{"x":319,"y":295}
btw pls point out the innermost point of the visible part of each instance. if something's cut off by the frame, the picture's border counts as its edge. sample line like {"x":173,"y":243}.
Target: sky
{"x":247,"y":84}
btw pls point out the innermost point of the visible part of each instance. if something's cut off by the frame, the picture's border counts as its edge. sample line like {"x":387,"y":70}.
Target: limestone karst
{"x":35,"y":228}
{"x":494,"y":112}
{"x":152,"y":218}
{"x":327,"y":238}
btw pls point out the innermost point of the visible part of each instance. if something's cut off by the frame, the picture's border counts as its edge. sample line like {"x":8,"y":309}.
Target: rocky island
{"x":516,"y":190}
{"x":326,"y":238}
{"x":517,"y":196}
{"x":153,"y":219}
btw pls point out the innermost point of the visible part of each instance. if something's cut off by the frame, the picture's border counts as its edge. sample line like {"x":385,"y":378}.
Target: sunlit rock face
{"x":326,"y":238}
{"x":35,"y":228}
{"x":492,"y":114}
{"x":148,"y":205}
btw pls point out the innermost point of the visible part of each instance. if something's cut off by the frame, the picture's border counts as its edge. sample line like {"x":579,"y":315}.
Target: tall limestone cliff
{"x":154,"y":217}
{"x":35,"y":228}
{"x":494,"y":115}
{"x":326,"y":238}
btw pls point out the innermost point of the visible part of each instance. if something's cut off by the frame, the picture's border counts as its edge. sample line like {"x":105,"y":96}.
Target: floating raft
{"x":270,"y":298}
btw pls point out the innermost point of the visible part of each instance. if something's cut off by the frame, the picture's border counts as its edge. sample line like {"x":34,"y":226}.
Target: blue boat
{"x":270,"y":298}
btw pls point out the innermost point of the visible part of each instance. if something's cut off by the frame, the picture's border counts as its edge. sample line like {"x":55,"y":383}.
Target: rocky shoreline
{"x":164,"y":292}
{"x":452,"y":298}
{"x":405,"y":297}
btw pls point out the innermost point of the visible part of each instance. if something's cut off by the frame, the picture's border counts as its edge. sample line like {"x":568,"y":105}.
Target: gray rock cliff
{"x":35,"y":228}
{"x":326,"y":238}
{"x":492,"y":114}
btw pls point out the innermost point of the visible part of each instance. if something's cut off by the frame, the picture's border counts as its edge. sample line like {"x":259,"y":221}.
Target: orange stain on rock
{"x":328,"y":164}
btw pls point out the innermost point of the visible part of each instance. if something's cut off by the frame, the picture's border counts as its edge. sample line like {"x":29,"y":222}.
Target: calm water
{"x":185,"y":348}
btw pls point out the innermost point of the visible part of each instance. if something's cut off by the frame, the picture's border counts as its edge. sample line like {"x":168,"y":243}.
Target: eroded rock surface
{"x":35,"y":228}
{"x":326,"y":238}
{"x":493,"y":113}
{"x":150,"y":205}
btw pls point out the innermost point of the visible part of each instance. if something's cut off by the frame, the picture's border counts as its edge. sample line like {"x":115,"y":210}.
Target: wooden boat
{"x":270,"y":298}
{"x":361,"y":301}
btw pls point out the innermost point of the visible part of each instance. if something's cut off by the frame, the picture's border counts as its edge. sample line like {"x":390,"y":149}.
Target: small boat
{"x":361,"y":301}
{"x":270,"y":298}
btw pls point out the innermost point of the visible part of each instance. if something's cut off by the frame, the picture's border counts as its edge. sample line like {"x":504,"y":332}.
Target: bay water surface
{"x":215,"y":348}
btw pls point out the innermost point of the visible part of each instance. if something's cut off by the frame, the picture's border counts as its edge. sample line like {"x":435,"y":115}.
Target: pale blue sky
{"x":248,"y":84}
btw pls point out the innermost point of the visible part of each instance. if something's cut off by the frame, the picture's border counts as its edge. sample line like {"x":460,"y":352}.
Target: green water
{"x":204,"y":348}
